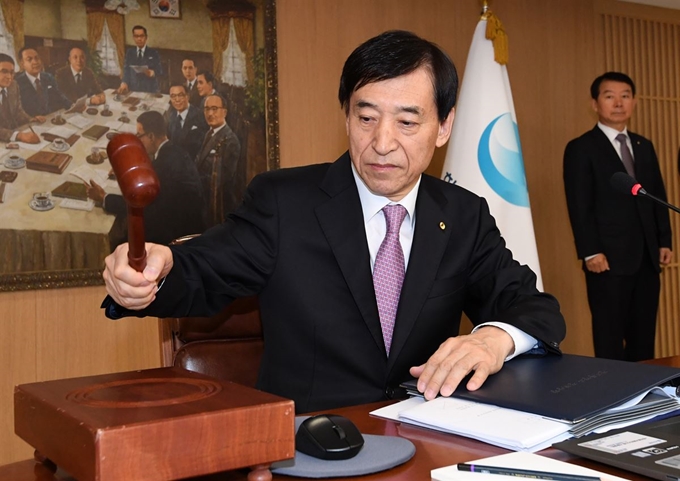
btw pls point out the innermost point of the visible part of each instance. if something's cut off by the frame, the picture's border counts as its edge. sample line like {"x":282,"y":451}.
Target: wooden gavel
{"x":139,"y":185}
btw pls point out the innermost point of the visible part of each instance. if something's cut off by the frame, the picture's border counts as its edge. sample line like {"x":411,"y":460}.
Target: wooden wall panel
{"x":643,"y":43}
{"x":59,"y":333}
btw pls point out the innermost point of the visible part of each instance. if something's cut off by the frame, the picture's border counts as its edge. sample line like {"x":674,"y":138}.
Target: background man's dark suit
{"x":628,"y":230}
{"x":178,"y":209}
{"x":299,"y":242}
{"x":17,"y":116}
{"x":194,"y":97}
{"x":52,"y":99}
{"x":222,"y":174}
{"x":189,"y":136}
{"x":138,"y":82}
{"x":88,"y":85}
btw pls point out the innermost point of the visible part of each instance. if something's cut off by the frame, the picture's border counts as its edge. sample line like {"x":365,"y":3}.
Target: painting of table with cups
{"x":53,"y":231}
{"x":45,"y":210}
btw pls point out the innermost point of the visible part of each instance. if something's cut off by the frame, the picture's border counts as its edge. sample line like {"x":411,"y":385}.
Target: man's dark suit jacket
{"x":190,"y":136}
{"x":138,"y":82}
{"x":88,"y":85}
{"x":194,"y":97}
{"x":178,"y":208}
{"x":298,"y":241}
{"x":604,"y":220}
{"x":17,"y":116}
{"x":223,"y":174}
{"x":52,"y":99}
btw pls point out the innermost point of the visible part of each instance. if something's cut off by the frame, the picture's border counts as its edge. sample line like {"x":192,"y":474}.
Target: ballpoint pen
{"x":524,"y":473}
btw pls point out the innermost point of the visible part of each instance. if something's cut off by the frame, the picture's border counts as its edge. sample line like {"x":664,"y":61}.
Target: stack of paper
{"x":518,"y":430}
{"x":519,"y":461}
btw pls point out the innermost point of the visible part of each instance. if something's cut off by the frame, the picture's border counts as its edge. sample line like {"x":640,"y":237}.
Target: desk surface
{"x":433,"y":450}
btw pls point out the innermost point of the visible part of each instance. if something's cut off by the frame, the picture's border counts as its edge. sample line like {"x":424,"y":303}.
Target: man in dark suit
{"x":313,"y":243}
{"x":76,"y":80}
{"x":206,"y":84}
{"x":178,"y":208}
{"x":138,"y":56}
{"x":223,"y":175}
{"x":189,"y":72}
{"x":621,"y":239}
{"x":39,"y":92}
{"x":186,"y":124}
{"x":12,"y":114}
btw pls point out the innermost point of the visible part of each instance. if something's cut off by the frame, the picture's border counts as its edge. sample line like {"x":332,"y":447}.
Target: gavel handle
{"x":136,"y":251}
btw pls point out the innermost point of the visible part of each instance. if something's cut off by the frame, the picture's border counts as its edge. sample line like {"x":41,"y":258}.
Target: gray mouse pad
{"x":378,"y":454}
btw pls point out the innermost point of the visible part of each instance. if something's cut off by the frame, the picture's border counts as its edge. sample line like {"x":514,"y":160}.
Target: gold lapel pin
{"x":442,"y":226}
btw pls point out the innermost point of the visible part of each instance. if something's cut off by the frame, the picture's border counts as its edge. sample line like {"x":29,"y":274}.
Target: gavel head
{"x":136,"y":177}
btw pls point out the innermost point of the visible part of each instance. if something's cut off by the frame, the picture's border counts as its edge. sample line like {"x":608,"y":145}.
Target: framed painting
{"x":218,"y":55}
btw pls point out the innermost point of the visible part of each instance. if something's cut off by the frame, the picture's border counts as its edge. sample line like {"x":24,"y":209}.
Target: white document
{"x":516,"y":430}
{"x":87,"y":205}
{"x":529,"y":461}
{"x":86,"y":173}
{"x":140,"y":68}
{"x":62,"y":131}
{"x":34,"y":147}
{"x":79,"y":121}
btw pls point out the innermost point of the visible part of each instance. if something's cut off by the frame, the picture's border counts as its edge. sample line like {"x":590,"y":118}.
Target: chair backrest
{"x":226,"y":346}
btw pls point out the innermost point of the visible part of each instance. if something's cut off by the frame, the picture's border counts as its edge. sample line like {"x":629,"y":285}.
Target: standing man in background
{"x":621,"y":239}
{"x":189,"y":73}
{"x":141,"y":55}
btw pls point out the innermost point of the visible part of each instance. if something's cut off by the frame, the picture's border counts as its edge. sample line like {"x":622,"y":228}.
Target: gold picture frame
{"x":269,"y":146}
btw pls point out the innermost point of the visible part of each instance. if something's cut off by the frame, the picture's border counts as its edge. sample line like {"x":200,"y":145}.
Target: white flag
{"x":484,"y":153}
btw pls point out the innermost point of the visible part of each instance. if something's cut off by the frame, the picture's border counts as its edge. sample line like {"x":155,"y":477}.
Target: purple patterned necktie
{"x":626,"y":156}
{"x":388,"y":272}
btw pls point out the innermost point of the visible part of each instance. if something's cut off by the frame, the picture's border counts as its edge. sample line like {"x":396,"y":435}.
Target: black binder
{"x":568,"y":388}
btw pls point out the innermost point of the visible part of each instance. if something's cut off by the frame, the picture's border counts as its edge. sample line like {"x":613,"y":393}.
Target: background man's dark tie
{"x":626,"y":156}
{"x":139,"y":53}
{"x":4,"y":110}
{"x":78,"y":78}
{"x":38,"y":89}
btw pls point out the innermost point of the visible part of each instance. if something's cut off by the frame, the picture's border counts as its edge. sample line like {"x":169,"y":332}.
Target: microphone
{"x":625,"y":184}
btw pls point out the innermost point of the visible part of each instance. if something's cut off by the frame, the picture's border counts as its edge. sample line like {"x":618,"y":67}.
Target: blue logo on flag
{"x":500,"y":160}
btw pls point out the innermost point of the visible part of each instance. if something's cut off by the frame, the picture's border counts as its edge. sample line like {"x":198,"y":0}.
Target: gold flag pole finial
{"x":495,"y":33}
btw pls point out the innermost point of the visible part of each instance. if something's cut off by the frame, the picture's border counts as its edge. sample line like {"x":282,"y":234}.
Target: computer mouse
{"x":329,"y":436}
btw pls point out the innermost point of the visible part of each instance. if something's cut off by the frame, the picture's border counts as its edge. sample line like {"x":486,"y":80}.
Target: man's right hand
{"x":597,"y":264}
{"x":123,"y":88}
{"x":28,"y":137}
{"x":129,"y":288}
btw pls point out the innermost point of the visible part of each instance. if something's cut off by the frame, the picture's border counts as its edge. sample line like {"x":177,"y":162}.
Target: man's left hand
{"x":483,"y":352}
{"x":149,"y":73}
{"x":665,"y":256}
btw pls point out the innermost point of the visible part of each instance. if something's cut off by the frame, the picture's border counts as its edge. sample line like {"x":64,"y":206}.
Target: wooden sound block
{"x":156,"y":424}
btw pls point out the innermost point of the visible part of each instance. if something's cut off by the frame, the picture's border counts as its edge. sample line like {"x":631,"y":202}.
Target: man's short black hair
{"x":153,"y":123}
{"x":140,"y":27}
{"x":395,"y":53}
{"x":209,"y":77}
{"x":6,"y":58}
{"x":179,"y":84}
{"x":613,"y":76}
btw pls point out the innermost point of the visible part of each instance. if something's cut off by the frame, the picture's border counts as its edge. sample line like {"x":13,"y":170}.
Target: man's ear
{"x":445,"y":128}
